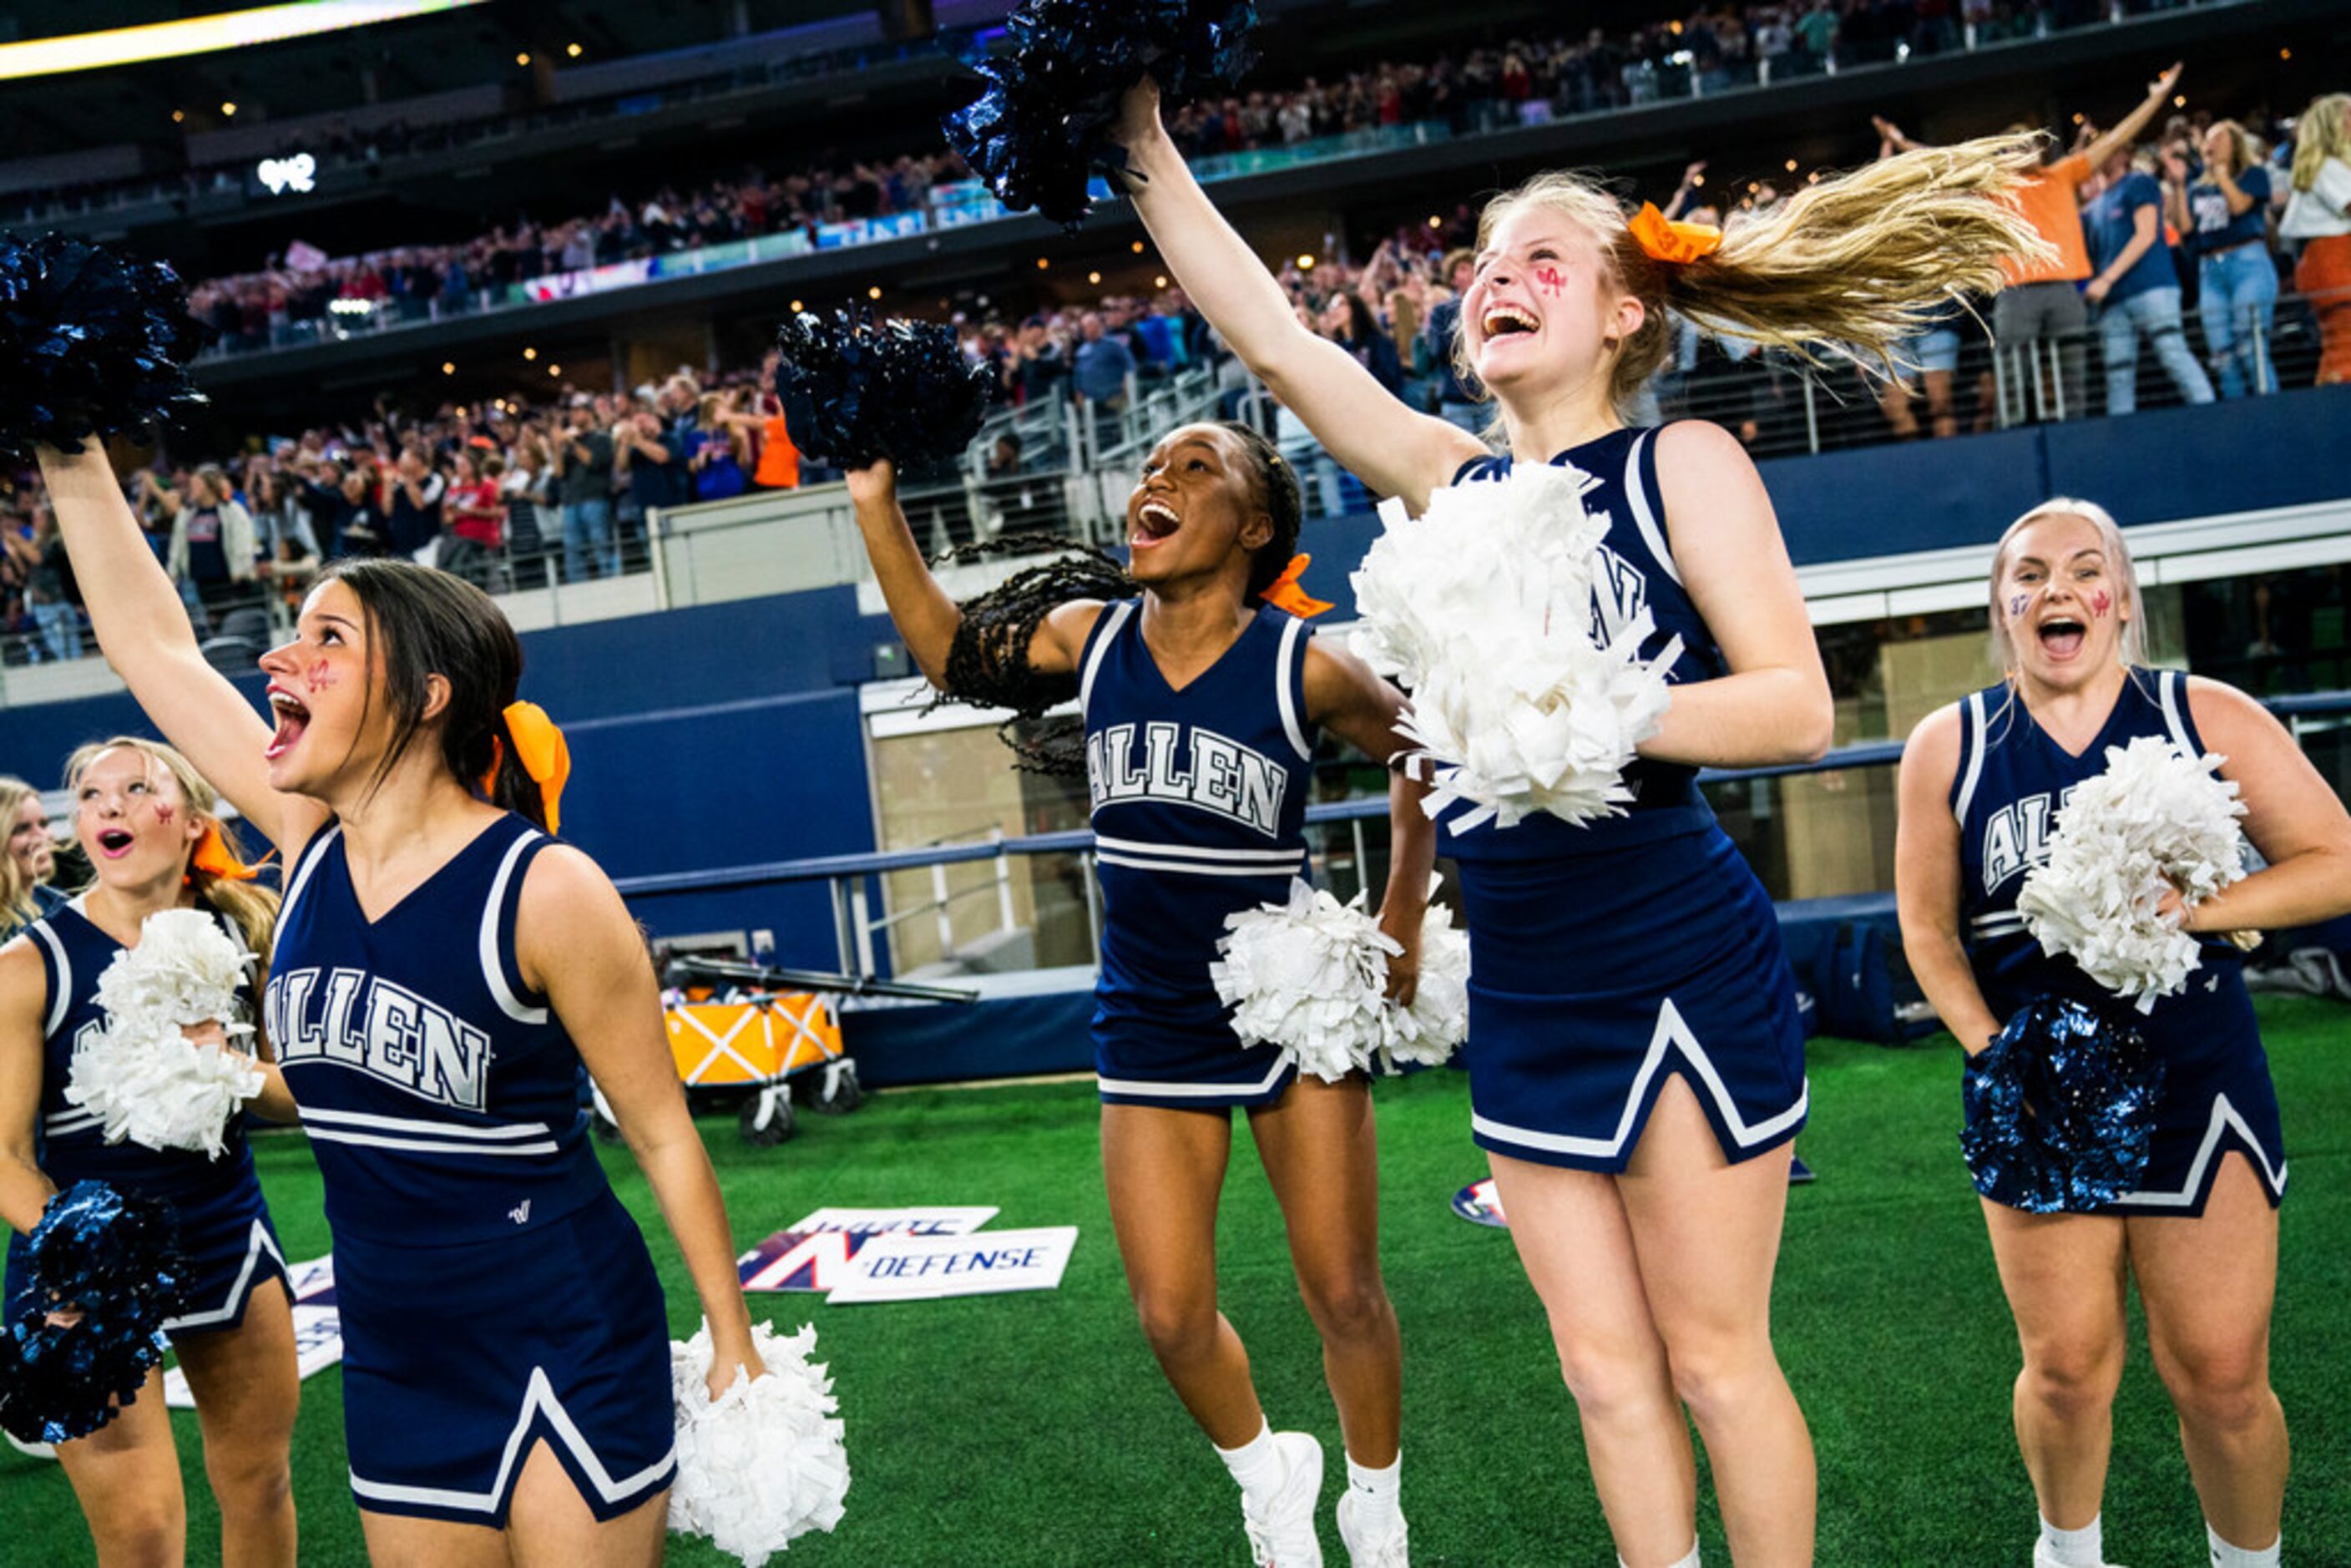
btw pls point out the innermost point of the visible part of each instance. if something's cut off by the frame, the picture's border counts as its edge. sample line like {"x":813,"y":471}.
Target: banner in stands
{"x":815,"y":1253}
{"x":903,"y":1268}
{"x":317,"y":1328}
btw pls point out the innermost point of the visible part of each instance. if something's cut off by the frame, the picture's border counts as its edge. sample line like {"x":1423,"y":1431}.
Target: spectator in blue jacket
{"x":2134,"y":290}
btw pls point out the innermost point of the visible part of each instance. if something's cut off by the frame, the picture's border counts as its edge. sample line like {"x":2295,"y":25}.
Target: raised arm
{"x":1388,"y":445}
{"x":143,"y":629}
{"x":2125,"y":130}
{"x":1927,"y":882}
{"x":1774,"y":706}
{"x":921,"y":610}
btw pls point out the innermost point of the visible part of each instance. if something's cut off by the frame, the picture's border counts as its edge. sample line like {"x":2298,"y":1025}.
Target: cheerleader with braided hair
{"x":1201,"y":693}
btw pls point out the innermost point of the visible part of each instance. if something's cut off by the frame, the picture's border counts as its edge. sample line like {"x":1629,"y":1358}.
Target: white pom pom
{"x":2156,"y":819}
{"x":1306,"y":977}
{"x":142,"y":1076}
{"x":1425,"y":1032}
{"x":764,"y":1462}
{"x":185,"y":968}
{"x":1485,"y":609}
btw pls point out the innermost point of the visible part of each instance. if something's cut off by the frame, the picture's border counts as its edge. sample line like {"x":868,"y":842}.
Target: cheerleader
{"x":1201,"y":702}
{"x":1980,"y":783}
{"x":1636,"y":1063}
{"x":442,"y":970}
{"x":148,"y":823}
{"x":30,"y":862}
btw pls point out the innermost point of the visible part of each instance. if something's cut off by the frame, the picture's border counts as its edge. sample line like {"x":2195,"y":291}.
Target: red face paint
{"x":321,"y":676}
{"x":163,"y":815}
{"x":2100,"y":603}
{"x":1550,"y":280}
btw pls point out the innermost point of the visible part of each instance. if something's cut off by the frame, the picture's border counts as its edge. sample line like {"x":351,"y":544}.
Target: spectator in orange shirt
{"x":2042,"y":302}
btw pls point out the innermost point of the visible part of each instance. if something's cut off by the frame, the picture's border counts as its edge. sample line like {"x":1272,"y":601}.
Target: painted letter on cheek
{"x":2100,"y":603}
{"x":1550,"y":280}
{"x":319,"y":676}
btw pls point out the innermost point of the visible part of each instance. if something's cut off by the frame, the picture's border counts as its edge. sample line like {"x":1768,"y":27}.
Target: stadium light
{"x":530,"y":353}
{"x":228,"y":110}
{"x":797,"y":307}
{"x":1138,"y":247}
{"x":205,"y":34}
{"x":523,"y":58}
{"x":1160,"y":281}
{"x":555,"y":370}
{"x":874,"y":292}
{"x":1093,"y":278}
{"x":1043,"y":262}
{"x":1305,"y":264}
{"x":571,"y":49}
{"x":179,"y":116}
{"x":448,"y":367}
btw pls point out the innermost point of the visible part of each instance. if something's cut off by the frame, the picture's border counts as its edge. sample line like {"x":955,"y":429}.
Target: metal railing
{"x":1346,"y":842}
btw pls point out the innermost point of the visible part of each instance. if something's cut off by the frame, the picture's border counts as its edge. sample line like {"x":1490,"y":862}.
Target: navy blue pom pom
{"x":2061,"y":1109}
{"x":1040,"y":126}
{"x":94,"y":343}
{"x":115,"y":1259}
{"x":855,"y":390}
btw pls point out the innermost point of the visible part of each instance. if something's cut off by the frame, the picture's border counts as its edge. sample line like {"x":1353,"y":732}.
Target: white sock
{"x":1379,"y":1493}
{"x":2227,"y":1556}
{"x":1688,"y":1562}
{"x":2083,"y":1548}
{"x":1257,"y":1465}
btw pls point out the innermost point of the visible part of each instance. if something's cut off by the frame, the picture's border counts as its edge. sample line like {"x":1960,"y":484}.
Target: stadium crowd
{"x":516,"y":491}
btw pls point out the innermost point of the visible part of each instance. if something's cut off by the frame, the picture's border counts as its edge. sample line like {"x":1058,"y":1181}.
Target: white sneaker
{"x":1364,"y":1550}
{"x":2041,"y":1558}
{"x":1282,"y":1535}
{"x":36,"y":1451}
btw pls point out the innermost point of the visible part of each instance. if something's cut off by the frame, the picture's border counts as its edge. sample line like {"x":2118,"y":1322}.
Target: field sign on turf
{"x":814,"y":1253}
{"x":902,"y":1267}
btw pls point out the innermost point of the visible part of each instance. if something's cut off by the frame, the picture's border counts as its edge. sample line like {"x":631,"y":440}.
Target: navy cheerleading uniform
{"x":222,"y":1221}
{"x":1607,"y":956}
{"x":2216,"y":1093}
{"x":493,"y":1291}
{"x":1199,"y":812}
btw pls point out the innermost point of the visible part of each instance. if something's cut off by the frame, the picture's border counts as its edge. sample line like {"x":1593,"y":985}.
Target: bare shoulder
{"x":563,"y":882}
{"x":1932,"y":752}
{"x":1709,"y":485}
{"x":24,"y":982}
{"x":1702,"y":444}
{"x":2221,"y":710}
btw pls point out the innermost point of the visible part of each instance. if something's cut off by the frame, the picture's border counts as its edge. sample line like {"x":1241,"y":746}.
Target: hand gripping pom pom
{"x":2061,"y":1109}
{"x":1309,"y":976}
{"x":856,"y":390}
{"x":764,"y":1462}
{"x":1306,"y":977}
{"x":1485,"y":608}
{"x":1425,"y":1032}
{"x":1040,"y":126}
{"x":2156,"y":819}
{"x":143,"y":1076}
{"x":115,"y":1259}
{"x":95,"y":344}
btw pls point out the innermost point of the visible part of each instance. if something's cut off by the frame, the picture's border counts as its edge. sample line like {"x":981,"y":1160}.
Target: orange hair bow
{"x":543,"y":752}
{"x":1674,"y":243}
{"x":214,"y":858}
{"x":1288,"y":592}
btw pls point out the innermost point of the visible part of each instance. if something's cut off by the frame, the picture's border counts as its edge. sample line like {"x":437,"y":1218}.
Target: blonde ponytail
{"x":2321,"y":131}
{"x":1854,"y":266}
{"x":1848,"y":268}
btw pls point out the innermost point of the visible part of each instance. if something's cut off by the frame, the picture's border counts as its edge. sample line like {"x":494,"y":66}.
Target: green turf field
{"x":1035,"y":1429}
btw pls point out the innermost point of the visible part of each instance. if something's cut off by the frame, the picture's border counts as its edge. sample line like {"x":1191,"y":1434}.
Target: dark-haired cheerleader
{"x":1201,"y":701}
{"x":1982,"y":781}
{"x":444,"y":967}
